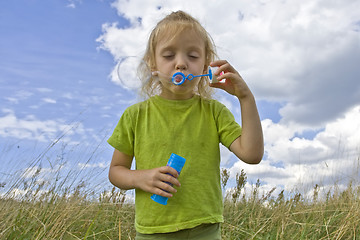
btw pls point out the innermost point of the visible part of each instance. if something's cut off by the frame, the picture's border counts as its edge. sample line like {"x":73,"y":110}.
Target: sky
{"x":60,"y":95}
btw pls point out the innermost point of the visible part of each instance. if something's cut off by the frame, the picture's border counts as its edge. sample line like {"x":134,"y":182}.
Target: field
{"x":73,"y":216}
{"x":63,"y":207}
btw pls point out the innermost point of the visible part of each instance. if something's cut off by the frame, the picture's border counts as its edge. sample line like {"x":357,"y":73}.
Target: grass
{"x":337,"y":217}
{"x":65,"y":218}
{"x":72,"y":216}
{"x":64,"y":208}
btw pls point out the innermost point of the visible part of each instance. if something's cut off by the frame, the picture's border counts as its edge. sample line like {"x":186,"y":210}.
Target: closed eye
{"x":168,"y":56}
{"x":193,"y":54}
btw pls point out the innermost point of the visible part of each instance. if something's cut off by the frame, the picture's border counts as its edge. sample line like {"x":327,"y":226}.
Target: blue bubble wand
{"x":179,"y":78}
{"x":132,"y":72}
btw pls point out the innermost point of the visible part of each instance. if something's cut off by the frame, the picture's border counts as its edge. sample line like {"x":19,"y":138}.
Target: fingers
{"x":224,"y":71}
{"x":223,"y":66}
{"x":159,"y":181}
{"x":169,"y":170}
{"x":217,"y":63}
{"x":169,"y":175}
{"x":160,"y":192}
{"x":164,"y":189}
{"x":230,"y":80}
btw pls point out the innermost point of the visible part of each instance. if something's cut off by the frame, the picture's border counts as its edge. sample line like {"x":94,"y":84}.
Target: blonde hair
{"x":171,"y":26}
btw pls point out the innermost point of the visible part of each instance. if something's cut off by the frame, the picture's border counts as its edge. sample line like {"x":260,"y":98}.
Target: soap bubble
{"x":132,"y":71}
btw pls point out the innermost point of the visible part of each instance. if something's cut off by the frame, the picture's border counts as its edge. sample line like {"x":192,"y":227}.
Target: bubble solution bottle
{"x":176,"y":162}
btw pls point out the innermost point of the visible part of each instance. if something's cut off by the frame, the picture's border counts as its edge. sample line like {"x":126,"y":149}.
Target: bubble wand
{"x":179,"y":78}
{"x":132,"y":72}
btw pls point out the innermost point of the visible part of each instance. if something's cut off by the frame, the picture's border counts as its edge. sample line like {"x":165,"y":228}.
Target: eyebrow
{"x":190,"y":48}
{"x":195,"y":48}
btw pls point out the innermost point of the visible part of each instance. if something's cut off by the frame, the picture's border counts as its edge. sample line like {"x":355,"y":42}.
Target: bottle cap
{"x":176,"y":162}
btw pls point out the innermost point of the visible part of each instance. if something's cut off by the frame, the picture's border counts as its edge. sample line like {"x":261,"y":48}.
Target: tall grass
{"x":62,"y":217}
{"x":337,"y":216}
{"x":67,"y":207}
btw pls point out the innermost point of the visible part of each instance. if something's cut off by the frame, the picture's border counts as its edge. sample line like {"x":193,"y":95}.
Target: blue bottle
{"x":176,"y":162}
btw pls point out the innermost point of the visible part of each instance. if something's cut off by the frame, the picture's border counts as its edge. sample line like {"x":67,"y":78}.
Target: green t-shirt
{"x":193,"y":128}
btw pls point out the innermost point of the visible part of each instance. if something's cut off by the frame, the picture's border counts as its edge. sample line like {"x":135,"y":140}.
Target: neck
{"x":174,"y":96}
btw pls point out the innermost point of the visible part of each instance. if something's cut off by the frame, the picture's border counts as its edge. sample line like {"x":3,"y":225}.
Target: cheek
{"x":162,"y":64}
{"x":158,"y":62}
{"x":195,"y":81}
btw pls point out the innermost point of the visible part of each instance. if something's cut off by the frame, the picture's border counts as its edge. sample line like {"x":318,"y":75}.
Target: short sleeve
{"x":228,"y":128}
{"x":122,"y":138}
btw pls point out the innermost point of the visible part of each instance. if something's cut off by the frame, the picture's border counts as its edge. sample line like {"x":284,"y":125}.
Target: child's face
{"x":184,"y":53}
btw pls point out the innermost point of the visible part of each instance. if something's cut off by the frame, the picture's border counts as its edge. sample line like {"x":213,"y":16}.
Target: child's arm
{"x":152,"y":180}
{"x":249,"y":147}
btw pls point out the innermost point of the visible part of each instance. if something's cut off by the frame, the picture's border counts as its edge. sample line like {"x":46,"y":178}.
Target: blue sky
{"x":50,"y":47}
{"x":57,"y":61}
{"x":54,"y":77}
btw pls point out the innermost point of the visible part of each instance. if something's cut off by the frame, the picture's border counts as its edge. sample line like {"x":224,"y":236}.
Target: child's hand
{"x":156,"y":181}
{"x":233,"y":84}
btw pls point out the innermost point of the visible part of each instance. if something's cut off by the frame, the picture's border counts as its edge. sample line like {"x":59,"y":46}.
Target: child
{"x":182,"y":119}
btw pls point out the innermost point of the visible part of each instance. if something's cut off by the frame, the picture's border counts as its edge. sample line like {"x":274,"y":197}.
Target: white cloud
{"x":303,"y":53}
{"x":19,"y":95}
{"x":32,"y":128}
{"x":92,"y":165}
{"x":49,"y":100}
{"x":68,"y":95}
{"x":40,"y":173}
{"x":12,"y":100}
{"x":332,"y":156}
{"x":44,"y":90}
{"x":73,"y":3}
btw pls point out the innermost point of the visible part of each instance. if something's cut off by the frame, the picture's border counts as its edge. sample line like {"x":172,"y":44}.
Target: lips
{"x":178,"y":79}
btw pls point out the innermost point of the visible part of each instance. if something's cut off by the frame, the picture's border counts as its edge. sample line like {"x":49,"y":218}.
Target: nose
{"x":181,"y":63}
